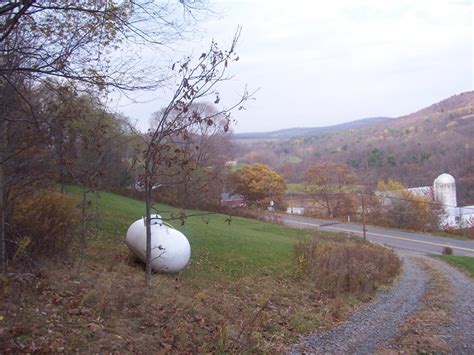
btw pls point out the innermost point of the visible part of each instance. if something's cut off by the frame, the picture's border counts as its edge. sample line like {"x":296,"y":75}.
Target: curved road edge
{"x":419,"y":242}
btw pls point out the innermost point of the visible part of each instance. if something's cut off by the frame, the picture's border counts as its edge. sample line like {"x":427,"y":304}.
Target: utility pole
{"x":364,"y":229}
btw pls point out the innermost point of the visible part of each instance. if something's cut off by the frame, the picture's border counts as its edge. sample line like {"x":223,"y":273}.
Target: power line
{"x":378,"y":195}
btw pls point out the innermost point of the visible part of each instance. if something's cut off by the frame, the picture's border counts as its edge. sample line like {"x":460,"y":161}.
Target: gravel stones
{"x":373,"y":328}
{"x":461,"y":330}
{"x":369,"y":328}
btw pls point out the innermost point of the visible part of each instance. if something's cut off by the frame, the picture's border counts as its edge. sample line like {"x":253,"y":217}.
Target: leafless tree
{"x":206,"y":148}
{"x":85,"y":43}
{"x":198,"y":80}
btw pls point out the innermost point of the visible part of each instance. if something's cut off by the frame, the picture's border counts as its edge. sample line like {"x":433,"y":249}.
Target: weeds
{"x":447,"y":251}
{"x":111,"y":311}
{"x":242,"y":292}
{"x":43,"y":223}
{"x":346,"y":266}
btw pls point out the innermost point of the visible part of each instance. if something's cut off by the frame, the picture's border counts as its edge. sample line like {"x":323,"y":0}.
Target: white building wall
{"x":466,"y":218}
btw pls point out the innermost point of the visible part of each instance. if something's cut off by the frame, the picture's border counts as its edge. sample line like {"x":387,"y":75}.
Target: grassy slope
{"x":241,"y":248}
{"x":464,"y":262}
{"x":240,"y":293}
{"x":238,"y":167}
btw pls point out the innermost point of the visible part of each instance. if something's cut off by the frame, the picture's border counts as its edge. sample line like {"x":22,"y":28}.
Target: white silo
{"x":445,"y":190}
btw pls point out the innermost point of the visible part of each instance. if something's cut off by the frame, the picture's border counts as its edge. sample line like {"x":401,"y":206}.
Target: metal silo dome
{"x":445,"y":179}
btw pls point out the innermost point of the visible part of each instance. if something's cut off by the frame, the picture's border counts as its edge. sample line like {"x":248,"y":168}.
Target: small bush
{"x":43,"y":223}
{"x":347,"y":266}
{"x":447,"y":251}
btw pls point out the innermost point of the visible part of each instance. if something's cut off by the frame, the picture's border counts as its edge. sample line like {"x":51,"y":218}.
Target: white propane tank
{"x":170,"y":249}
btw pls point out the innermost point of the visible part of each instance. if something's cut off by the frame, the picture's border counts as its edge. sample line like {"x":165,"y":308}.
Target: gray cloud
{"x":322,"y":63}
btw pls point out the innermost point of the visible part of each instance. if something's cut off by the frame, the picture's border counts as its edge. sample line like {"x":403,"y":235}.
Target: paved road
{"x":395,"y":238}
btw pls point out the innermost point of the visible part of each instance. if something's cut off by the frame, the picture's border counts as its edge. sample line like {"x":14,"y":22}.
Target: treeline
{"x":330,"y":191}
{"x":413,"y":149}
{"x":59,"y":63}
{"x":60,"y":135}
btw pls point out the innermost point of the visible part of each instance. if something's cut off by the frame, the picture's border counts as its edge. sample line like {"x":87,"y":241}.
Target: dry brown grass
{"x":241,"y":293}
{"x":106,"y":308}
{"x":347,"y":266}
{"x":42,"y":223}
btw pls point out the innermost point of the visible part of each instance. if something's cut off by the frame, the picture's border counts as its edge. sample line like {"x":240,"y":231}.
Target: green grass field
{"x":464,"y":262}
{"x":237,"y":167}
{"x":240,"y":248}
{"x":244,"y":291}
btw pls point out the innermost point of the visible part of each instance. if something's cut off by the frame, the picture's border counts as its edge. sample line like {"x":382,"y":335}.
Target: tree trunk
{"x":3,"y":252}
{"x":83,"y":222}
{"x":148,"y":190}
{"x":82,"y":240}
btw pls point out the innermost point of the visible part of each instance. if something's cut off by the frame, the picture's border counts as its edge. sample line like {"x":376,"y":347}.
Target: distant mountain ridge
{"x":413,"y":148}
{"x":311,"y":131}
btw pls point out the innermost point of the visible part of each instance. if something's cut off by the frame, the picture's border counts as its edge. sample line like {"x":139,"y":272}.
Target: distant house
{"x":232,"y":201}
{"x":231,"y":163}
{"x":423,"y":191}
{"x":137,"y":186}
{"x":295,"y":210}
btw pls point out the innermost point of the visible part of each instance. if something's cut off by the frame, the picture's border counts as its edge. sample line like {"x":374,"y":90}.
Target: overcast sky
{"x":319,"y":63}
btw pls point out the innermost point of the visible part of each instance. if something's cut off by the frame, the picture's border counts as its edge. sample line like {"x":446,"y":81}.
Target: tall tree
{"x":83,"y":42}
{"x":260,"y":184}
{"x":88,"y":41}
{"x":327,"y":183}
{"x":206,"y":148}
{"x":197,"y":80}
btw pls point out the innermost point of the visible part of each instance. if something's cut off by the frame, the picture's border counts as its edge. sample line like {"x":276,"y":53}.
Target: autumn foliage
{"x":260,"y":184}
{"x":43,"y":223}
{"x":328,"y":184}
{"x":398,"y":207}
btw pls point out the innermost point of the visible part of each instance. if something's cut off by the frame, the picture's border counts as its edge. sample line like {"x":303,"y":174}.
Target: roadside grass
{"x":242,"y":292}
{"x":464,"y":262}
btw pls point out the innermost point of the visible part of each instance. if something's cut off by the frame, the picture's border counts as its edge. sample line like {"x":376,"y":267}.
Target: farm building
{"x":443,"y":192}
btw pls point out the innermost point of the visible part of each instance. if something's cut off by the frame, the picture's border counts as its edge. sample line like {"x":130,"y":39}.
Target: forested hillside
{"x":413,"y":149}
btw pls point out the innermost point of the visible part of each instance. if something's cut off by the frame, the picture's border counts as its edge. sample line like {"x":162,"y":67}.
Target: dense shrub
{"x":43,"y":223}
{"x":347,"y":266}
{"x":447,"y":251}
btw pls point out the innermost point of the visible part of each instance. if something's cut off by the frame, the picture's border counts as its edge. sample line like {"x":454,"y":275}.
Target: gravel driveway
{"x":461,"y":332}
{"x":378,"y":324}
